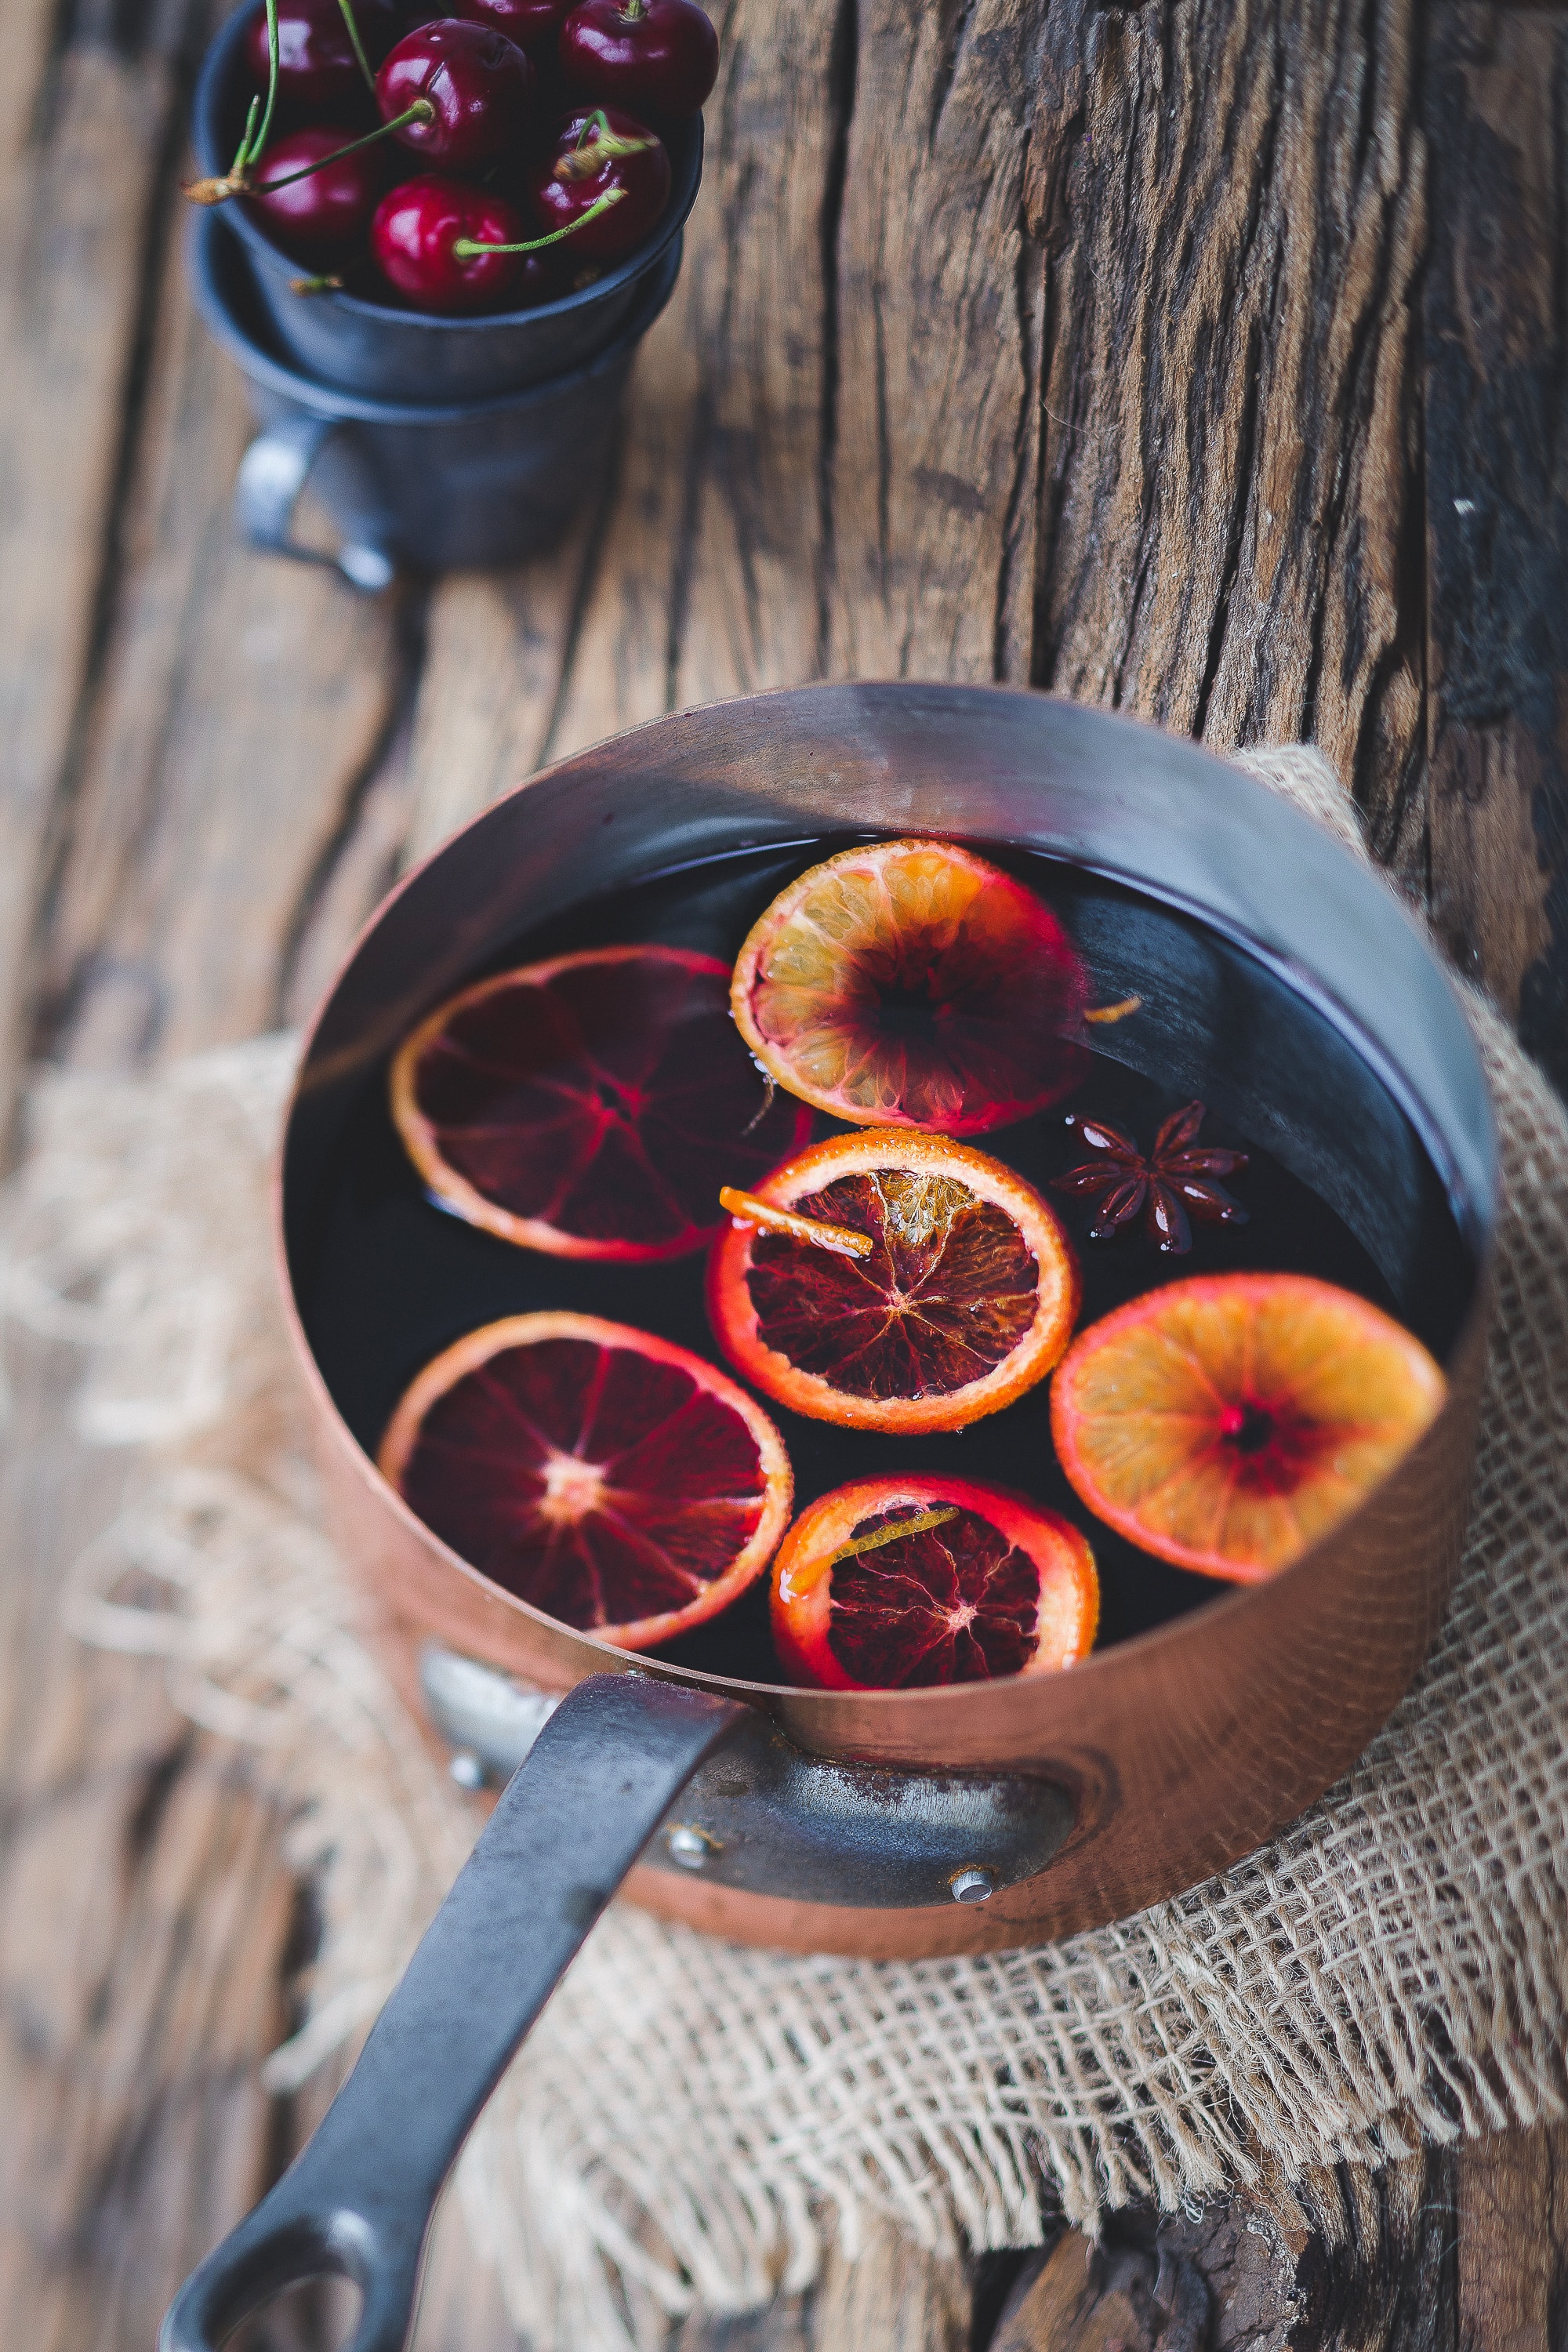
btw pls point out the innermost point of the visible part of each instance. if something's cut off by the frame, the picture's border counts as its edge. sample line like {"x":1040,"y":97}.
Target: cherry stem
{"x":747,"y":1210}
{"x":592,"y":153}
{"x":466,"y":247}
{"x":240,"y":184}
{"x":916,"y":1526}
{"x":346,"y":5}
{"x":243,"y":149}
{"x":251,"y":148}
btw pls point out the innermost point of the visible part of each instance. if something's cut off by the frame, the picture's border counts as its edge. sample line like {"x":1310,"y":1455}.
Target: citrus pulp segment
{"x":581,"y":1105}
{"x":1226,"y":1422}
{"x":982,"y":1583}
{"x":910,"y":984}
{"x":609,"y":1478}
{"x":966,"y":1298}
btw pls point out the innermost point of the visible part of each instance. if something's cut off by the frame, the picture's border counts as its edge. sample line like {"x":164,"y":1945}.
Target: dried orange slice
{"x":910,"y":984}
{"x":905,"y":1583}
{"x":1226,"y":1422}
{"x":581,"y":1105}
{"x":965,"y":1298}
{"x":608,"y":1477}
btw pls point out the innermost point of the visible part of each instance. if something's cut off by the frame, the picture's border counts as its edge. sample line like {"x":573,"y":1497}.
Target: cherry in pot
{"x":468,"y":89}
{"x":606,"y":179}
{"x":418,"y":226}
{"x":318,"y":72}
{"x":319,"y":217}
{"x":531,"y":24}
{"x":660,"y":56}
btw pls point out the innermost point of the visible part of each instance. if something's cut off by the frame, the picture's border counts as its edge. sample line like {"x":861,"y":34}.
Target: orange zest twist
{"x":1116,"y":1012}
{"x":746,"y":1209}
{"x":916,"y":1526}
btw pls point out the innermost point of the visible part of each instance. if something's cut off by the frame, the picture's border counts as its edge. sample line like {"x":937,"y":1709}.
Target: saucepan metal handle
{"x":357,"y":2200}
{"x":272,"y":475}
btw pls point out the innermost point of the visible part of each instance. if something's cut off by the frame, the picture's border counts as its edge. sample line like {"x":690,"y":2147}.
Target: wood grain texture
{"x":1072,"y":342}
{"x":935,"y":418}
{"x":144,"y":1921}
{"x":1497,"y":524}
{"x":80,"y":194}
{"x":1232,"y":201}
{"x":695,"y":571}
{"x":1511,"y":2254}
{"x":242,"y":713}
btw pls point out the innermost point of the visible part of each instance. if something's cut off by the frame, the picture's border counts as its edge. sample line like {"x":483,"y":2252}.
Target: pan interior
{"x":1340,"y":1186}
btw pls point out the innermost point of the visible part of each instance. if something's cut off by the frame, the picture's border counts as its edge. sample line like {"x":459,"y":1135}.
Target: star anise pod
{"x":1174,"y":1183}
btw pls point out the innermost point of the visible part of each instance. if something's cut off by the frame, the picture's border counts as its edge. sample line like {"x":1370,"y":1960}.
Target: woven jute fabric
{"x":687,"y":2114}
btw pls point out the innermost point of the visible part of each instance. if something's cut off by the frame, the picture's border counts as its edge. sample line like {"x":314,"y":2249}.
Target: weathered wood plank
{"x":242,"y":716}
{"x":1512,"y":2241}
{"x":82,"y":146}
{"x":935,"y":423}
{"x":707,"y":574}
{"x":492,"y":671}
{"x":1232,"y":199}
{"x":143,"y":1907}
{"x":885,"y":2294}
{"x":1497,"y":499}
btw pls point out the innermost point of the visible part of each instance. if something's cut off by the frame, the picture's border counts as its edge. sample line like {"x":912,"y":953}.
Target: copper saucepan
{"x":1280,"y":978}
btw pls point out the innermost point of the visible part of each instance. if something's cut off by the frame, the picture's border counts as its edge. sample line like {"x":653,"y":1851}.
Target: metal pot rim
{"x":1464,"y":1139}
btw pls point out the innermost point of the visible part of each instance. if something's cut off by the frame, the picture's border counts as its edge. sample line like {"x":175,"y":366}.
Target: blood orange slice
{"x":608,"y":1477}
{"x":903,"y":1583}
{"x":965,"y":1298}
{"x":912,"y":984}
{"x":582,"y":1105}
{"x":1228,"y":1422}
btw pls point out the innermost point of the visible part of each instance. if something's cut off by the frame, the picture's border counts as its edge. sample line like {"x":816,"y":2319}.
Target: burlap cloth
{"x":687,"y":2114}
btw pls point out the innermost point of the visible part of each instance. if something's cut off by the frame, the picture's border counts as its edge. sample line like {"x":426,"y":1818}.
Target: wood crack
{"x":1023,"y":492}
{"x":38,"y":1016}
{"x":842,"y":69}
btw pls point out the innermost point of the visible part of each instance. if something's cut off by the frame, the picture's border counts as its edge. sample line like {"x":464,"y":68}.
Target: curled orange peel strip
{"x":916,"y":1526}
{"x":747,"y":1210}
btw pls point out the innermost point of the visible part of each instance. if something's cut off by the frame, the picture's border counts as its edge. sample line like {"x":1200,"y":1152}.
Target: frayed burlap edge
{"x":688,"y":2112}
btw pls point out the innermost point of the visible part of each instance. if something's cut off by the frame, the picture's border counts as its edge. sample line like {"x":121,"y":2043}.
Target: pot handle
{"x":357,"y":2200}
{"x":272,"y":474}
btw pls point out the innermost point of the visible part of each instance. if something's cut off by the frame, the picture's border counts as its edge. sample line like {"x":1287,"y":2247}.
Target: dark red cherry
{"x":477,"y":82}
{"x":323,"y":218}
{"x":531,"y":24}
{"x":318,"y":72}
{"x":418,"y":226}
{"x":595,"y":156}
{"x":660,"y":56}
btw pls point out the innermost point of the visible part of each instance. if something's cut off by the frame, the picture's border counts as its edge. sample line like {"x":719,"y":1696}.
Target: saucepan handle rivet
{"x":465,"y":1768}
{"x":973,"y":1884}
{"x":690,"y":1847}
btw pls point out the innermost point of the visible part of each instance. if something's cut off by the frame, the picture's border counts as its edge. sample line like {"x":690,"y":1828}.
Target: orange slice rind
{"x":911,"y":983}
{"x":582,"y":1104}
{"x":1227,"y":1423}
{"x":914,"y":1582}
{"x":608,"y":1477}
{"x":966,"y":1298}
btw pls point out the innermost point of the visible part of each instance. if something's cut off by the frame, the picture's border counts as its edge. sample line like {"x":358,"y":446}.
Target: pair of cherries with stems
{"x":462,"y":93}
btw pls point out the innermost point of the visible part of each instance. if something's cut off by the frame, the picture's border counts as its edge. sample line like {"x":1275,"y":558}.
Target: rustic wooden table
{"x":1204,"y":357}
